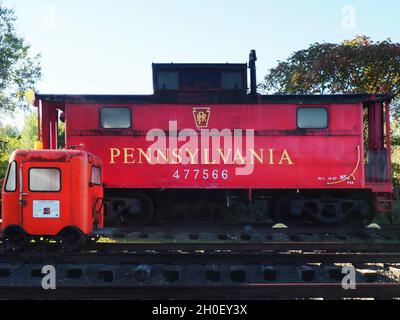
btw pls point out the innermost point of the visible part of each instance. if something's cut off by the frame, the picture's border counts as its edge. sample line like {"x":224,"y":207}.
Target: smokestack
{"x":253,"y":72}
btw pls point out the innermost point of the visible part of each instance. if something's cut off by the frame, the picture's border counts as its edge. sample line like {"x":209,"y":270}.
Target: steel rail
{"x":249,"y":247}
{"x":266,"y":228}
{"x":199,"y":258}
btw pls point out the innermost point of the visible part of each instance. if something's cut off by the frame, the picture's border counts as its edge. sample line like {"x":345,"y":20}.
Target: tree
{"x":354,"y":66}
{"x":29,"y":132}
{"x":19,"y":71}
{"x":9,"y":141}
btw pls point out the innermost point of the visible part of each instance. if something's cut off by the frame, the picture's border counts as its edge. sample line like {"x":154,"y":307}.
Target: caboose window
{"x":11,"y":184}
{"x":44,"y":180}
{"x":96,"y":176}
{"x":115,"y":118}
{"x":167,"y":80}
{"x":232,"y":80}
{"x":312,"y":118}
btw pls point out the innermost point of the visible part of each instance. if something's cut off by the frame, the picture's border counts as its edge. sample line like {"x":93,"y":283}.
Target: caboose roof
{"x":213,"y":98}
{"x":220,"y":66}
{"x":52,"y":155}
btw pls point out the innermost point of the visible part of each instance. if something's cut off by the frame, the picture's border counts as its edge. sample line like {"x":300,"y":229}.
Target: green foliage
{"x":29,"y":132}
{"x":9,"y":141}
{"x":19,"y":71}
{"x":61,"y":136}
{"x":354,"y":66}
{"x":396,"y":152}
{"x":359,"y":65}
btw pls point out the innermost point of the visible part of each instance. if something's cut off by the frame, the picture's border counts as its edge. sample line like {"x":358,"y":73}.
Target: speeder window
{"x":115,"y":118}
{"x":44,"y":180}
{"x":96,"y":176}
{"x":312,"y":118}
{"x":11,"y":184}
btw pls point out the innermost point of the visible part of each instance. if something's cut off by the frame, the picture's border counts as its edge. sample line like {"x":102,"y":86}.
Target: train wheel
{"x":140,"y":210}
{"x":283,"y":213}
{"x":71,"y":240}
{"x":363,"y":214}
{"x":15,"y":240}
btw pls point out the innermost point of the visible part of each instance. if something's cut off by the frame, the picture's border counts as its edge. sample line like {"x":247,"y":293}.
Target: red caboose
{"x":52,"y":194}
{"x":201,"y":133}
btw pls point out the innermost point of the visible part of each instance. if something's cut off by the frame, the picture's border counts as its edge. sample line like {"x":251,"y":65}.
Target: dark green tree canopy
{"x":355,"y":66}
{"x":19,"y":71}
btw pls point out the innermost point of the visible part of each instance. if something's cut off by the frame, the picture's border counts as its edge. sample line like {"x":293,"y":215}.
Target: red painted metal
{"x":379,"y":144}
{"x":39,"y":119}
{"x":292,"y":158}
{"x":46,"y":125}
{"x":49,"y":125}
{"x":388,"y":136}
{"x":376,"y":127}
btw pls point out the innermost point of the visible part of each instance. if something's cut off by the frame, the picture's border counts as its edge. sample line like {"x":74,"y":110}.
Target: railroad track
{"x":176,"y":258}
{"x":335,"y":247}
{"x":230,"y":247}
{"x":250,"y":233}
{"x":266,"y":228}
{"x":204,"y":271}
{"x":242,"y":292}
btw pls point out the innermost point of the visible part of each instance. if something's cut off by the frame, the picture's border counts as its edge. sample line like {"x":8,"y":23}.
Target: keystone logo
{"x":201,"y":117}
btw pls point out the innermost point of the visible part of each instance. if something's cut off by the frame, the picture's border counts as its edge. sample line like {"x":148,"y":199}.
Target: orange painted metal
{"x":77,"y":204}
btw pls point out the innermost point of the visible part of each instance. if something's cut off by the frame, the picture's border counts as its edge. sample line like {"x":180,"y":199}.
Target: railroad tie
{"x":269,"y":273}
{"x":306,"y":273}
{"x":369,"y":275}
{"x":238,"y":274}
{"x":106,"y":275}
{"x":335,"y":272}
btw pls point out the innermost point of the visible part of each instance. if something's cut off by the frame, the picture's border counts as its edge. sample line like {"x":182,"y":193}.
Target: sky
{"x":107,"y":47}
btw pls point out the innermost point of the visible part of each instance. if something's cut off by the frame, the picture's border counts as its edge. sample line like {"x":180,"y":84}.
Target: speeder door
{"x":45,"y":195}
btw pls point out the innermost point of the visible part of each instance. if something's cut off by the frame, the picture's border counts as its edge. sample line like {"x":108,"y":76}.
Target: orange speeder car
{"x":52,"y":194}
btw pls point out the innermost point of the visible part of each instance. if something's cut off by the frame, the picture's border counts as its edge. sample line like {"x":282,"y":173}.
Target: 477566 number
{"x":197,"y":174}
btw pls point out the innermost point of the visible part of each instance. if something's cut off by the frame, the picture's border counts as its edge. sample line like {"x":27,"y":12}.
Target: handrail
{"x":351,"y":175}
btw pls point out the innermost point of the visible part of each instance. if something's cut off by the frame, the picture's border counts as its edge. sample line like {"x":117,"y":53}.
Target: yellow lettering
{"x":163,"y":156}
{"x":271,"y":156}
{"x":193,"y":156}
{"x":115,"y":153}
{"x":177,"y":156}
{"x":207,"y":157}
{"x":225,"y":158}
{"x":129,"y":154}
{"x":146,"y":155}
{"x":286,"y":157}
{"x":259,"y":157}
{"x":239,"y":158}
